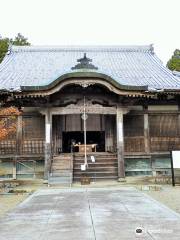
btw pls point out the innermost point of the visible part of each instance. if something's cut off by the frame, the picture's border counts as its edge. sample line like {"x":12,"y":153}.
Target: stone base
{"x":121,"y":180}
{"x":45,"y":181}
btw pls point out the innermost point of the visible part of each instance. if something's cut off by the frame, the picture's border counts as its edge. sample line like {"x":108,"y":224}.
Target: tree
{"x":19,"y":40}
{"x":8,"y":119}
{"x":174,"y":62}
{"x":4,"y":42}
{"x":8,"y":116}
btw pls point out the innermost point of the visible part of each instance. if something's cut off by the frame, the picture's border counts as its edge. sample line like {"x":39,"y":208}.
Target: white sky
{"x":94,"y":22}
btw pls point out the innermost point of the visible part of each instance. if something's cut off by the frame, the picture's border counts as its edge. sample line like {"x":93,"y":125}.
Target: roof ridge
{"x":84,"y":48}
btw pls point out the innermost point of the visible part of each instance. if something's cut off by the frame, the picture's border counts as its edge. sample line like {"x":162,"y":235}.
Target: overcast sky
{"x":94,"y":22}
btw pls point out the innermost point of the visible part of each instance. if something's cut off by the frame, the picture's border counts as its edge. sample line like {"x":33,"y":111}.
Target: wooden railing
{"x":33,"y":147}
{"x":7,"y":147}
{"x":27,"y":147}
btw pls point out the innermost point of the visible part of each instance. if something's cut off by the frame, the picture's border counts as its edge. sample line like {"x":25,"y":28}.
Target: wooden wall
{"x":32,"y":134}
{"x":110,"y":133}
{"x":58,"y":125}
{"x":164,"y":131}
{"x":134,"y":133}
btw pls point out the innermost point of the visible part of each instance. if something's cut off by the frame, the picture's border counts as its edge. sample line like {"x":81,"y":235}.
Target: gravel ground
{"x":8,"y":202}
{"x":169,"y":196}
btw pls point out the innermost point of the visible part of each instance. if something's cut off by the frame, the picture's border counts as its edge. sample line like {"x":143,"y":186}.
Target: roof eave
{"x":87,"y":74}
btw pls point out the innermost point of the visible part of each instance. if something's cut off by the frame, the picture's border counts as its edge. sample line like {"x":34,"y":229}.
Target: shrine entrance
{"x":71,"y":141}
{"x":68,"y":130}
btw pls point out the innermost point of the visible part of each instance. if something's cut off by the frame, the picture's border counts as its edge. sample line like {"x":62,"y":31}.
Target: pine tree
{"x":4,"y":42}
{"x":174,"y":62}
{"x":19,"y":40}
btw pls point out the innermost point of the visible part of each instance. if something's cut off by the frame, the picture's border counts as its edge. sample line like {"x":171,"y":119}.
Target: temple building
{"x":104,"y":111}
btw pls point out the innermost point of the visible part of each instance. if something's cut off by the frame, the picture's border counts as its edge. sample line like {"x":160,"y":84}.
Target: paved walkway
{"x":90,"y":214}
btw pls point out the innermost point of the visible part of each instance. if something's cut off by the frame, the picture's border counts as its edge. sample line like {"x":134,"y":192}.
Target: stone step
{"x":68,"y":155}
{"x":78,"y":178}
{"x":59,"y":180}
{"x":61,"y":164}
{"x":61,"y":174}
{"x":61,"y":170}
{"x":61,"y":161}
{"x":98,"y":174}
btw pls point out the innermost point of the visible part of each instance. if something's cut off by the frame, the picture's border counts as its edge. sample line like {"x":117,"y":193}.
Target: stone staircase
{"x":61,"y":170}
{"x":105,"y":166}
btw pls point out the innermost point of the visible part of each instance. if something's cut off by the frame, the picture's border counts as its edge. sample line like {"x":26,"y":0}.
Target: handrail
{"x":25,"y":164}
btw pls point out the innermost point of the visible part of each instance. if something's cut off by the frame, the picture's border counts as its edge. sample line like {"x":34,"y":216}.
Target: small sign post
{"x":172,"y":169}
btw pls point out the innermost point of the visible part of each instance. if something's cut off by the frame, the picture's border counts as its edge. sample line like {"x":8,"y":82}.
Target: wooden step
{"x":96,"y":162}
{"x":61,"y":174}
{"x":104,"y":167}
{"x":78,"y":165}
{"x":61,"y":170}
{"x":78,"y":179}
{"x":97,"y":170}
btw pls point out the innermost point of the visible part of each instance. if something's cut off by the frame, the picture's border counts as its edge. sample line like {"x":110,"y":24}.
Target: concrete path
{"x":90,"y":214}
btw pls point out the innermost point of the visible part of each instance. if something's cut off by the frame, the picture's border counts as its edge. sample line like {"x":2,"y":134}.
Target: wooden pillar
{"x":18,"y":144}
{"x":19,"y":135}
{"x":109,"y":133}
{"x":48,"y":143}
{"x":178,"y":143}
{"x":120,"y":144}
{"x":146,"y":133}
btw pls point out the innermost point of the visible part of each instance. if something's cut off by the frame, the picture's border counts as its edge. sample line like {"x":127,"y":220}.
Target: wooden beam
{"x":78,"y":109}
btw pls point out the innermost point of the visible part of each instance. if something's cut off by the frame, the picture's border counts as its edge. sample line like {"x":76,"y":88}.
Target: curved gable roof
{"x":128,"y":66}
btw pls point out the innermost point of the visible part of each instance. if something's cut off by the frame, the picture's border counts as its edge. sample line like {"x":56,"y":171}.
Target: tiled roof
{"x":127,"y":65}
{"x":176,"y":73}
